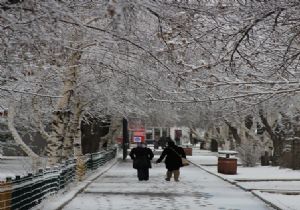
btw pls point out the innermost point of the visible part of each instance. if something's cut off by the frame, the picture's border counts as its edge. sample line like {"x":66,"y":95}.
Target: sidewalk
{"x":119,"y":188}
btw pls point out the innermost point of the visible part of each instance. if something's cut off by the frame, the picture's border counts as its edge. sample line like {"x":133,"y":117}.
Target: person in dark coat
{"x":162,"y":142}
{"x":141,"y":156}
{"x":173,"y":161}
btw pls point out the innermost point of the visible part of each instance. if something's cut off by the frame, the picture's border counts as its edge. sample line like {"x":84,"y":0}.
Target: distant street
{"x":120,"y":189}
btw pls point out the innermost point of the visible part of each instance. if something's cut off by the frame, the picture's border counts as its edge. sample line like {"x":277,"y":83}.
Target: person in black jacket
{"x":141,"y":156}
{"x":173,"y":161}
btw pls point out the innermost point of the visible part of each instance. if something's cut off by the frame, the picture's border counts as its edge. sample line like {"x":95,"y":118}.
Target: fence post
{"x":16,"y":200}
{"x":80,"y":168}
{"x":41,"y":184}
{"x":32,"y":188}
{"x":5,"y":194}
{"x":92,"y":161}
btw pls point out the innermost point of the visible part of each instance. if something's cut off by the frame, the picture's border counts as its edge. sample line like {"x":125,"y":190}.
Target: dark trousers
{"x":143,"y":174}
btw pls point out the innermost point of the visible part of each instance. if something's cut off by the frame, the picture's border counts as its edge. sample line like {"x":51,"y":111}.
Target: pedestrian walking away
{"x":141,"y":156}
{"x":173,"y":155}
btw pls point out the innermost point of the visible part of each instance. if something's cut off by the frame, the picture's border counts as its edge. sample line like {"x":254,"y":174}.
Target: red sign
{"x":139,"y":133}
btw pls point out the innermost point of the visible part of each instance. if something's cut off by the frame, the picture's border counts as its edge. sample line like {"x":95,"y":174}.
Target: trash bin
{"x":202,"y":145}
{"x":188,"y":151}
{"x":265,"y":159}
{"x":227,"y":165}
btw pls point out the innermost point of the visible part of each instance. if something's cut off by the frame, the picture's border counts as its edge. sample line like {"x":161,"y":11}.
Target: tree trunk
{"x":38,"y":119}
{"x":277,"y":152}
{"x":72,"y":143}
{"x":276,"y":139}
{"x":115,"y":129}
{"x":234,"y":132}
{"x":195,"y":132}
{"x":61,"y":117}
{"x":77,"y":141}
{"x":55,"y":142}
{"x":15,"y":134}
{"x":67,"y":148}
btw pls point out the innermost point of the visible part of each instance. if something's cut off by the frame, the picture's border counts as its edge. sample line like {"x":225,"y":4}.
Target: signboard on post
{"x":137,"y":139}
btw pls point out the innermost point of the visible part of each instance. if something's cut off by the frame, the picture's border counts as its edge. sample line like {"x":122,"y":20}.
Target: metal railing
{"x":23,"y":193}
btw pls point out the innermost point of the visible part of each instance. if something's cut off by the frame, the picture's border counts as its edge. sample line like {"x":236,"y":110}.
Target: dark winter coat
{"x":141,"y":157}
{"x":173,"y":156}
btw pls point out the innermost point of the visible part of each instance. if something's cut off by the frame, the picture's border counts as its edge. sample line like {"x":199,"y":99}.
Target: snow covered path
{"x":119,"y":189}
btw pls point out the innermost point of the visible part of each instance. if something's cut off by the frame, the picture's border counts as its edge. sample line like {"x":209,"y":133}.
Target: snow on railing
{"x":28,"y":191}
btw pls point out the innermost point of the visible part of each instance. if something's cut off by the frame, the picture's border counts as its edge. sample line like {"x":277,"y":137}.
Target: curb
{"x":257,"y":194}
{"x":89,"y":181}
{"x":266,"y":180}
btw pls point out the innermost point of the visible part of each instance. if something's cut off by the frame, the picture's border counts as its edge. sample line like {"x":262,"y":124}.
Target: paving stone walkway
{"x":119,"y":189}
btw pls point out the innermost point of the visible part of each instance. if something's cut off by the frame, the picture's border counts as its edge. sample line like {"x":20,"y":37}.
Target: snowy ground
{"x":120,"y":189}
{"x":280,"y":187}
{"x":260,"y":173}
{"x":12,"y":166}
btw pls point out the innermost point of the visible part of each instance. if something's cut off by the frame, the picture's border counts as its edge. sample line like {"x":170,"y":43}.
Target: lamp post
{"x":125,"y":142}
